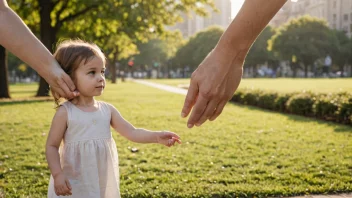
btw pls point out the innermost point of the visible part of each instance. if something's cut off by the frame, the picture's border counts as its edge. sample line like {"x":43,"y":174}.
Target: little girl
{"x":87,"y":164}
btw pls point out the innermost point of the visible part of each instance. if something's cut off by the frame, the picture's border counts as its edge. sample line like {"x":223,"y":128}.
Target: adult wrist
{"x":231,"y":55}
{"x":49,"y":70}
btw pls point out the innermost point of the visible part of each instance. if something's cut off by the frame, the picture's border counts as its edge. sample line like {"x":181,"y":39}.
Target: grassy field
{"x":23,"y":90}
{"x":285,"y":84}
{"x":246,"y":152}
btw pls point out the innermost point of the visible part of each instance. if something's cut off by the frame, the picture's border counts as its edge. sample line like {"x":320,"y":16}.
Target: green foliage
{"x":332,"y":107}
{"x":301,"y":104}
{"x":281,"y":100}
{"x":326,"y":106}
{"x":267,"y":100}
{"x":158,"y":50}
{"x":197,"y":48}
{"x":259,"y":53}
{"x":344,"y":113}
{"x":340,"y":49}
{"x":306,"y":38}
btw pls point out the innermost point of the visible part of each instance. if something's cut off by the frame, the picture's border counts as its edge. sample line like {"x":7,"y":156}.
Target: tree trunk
{"x":294,"y":69}
{"x":113,"y":70}
{"x":113,"y":66}
{"x":342,"y":70}
{"x":47,"y":37}
{"x":4,"y":83}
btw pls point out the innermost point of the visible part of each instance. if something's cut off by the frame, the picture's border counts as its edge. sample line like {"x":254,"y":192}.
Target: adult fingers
{"x":58,"y":91}
{"x":190,"y":98}
{"x":197,"y":111}
{"x":208,"y":112}
{"x":67,"y":92}
{"x":218,"y":110}
{"x":68,"y":81}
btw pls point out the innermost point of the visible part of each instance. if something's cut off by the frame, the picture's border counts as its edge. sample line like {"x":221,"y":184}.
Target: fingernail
{"x":197,"y":124}
{"x":190,"y":125}
{"x":183,"y":115}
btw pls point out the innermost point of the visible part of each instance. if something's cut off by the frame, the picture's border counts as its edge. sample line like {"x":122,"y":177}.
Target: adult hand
{"x":61,"y":83}
{"x":212,"y":85}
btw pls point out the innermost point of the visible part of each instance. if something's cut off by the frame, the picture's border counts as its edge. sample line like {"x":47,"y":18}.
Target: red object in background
{"x":130,"y":63}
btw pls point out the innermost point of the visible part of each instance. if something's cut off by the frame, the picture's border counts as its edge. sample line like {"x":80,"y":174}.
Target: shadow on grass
{"x":5,"y":102}
{"x":338,"y":127}
{"x":24,"y":91}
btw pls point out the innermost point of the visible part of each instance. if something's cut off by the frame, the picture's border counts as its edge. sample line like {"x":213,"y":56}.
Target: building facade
{"x":193,"y":23}
{"x":338,"y":13}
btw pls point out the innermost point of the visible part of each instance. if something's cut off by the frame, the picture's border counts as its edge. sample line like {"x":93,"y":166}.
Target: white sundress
{"x":88,"y":155}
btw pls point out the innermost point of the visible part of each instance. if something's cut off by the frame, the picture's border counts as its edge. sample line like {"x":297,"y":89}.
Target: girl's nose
{"x":100,"y":78}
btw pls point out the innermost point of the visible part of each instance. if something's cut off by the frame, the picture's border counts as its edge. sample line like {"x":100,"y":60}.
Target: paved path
{"x":163,"y":87}
{"x":184,"y":92}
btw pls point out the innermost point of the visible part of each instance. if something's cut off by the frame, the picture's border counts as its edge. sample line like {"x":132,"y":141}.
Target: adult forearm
{"x":247,"y":25}
{"x":142,"y":136}
{"x":53,"y":158}
{"x":16,"y":37}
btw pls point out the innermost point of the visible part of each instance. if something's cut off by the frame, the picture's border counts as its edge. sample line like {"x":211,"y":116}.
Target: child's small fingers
{"x":68,"y":184}
{"x":177,"y":140}
{"x":175,"y":136}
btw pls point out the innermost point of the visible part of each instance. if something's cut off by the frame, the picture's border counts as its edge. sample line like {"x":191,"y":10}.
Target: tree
{"x":98,"y":19}
{"x":304,"y":39}
{"x":4,"y":83}
{"x":197,"y":48}
{"x":340,"y":49}
{"x":259,"y":53}
{"x":158,"y":50}
{"x":350,"y":59}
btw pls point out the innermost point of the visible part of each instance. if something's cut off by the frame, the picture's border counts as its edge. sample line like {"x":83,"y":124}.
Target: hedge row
{"x":335,"y":107}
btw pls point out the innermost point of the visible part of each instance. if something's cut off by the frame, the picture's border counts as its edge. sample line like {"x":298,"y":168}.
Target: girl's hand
{"x":168,"y":138}
{"x":62,"y":185}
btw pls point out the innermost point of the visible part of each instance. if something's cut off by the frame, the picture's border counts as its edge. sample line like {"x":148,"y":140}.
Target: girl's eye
{"x":103,"y":72}
{"x":92,"y":72}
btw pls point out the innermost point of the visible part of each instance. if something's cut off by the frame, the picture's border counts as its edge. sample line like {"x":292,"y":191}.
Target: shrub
{"x":280,"y":102}
{"x":326,"y":106}
{"x":301,"y":104}
{"x":267,"y":100}
{"x":344,"y":112}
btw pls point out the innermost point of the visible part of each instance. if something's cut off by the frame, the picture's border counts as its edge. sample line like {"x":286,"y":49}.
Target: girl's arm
{"x":140,"y":135}
{"x":56,"y":134}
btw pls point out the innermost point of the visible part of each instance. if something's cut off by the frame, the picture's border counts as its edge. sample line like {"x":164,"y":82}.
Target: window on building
{"x":334,"y":4}
{"x":351,"y":16}
{"x":345,"y":17}
{"x":334,"y":17}
{"x":345,"y":29}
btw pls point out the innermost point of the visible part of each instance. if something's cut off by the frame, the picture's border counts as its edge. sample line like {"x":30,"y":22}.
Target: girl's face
{"x":90,"y":77}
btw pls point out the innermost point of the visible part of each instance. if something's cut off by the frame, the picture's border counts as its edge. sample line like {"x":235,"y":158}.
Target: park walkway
{"x":183,"y":91}
{"x":168,"y":88}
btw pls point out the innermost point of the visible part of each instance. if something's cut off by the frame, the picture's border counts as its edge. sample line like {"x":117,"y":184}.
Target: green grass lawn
{"x":246,"y":152}
{"x":285,"y":84}
{"x":23,"y":90}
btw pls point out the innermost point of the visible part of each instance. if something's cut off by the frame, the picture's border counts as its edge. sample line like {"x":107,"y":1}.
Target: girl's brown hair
{"x":70,"y":54}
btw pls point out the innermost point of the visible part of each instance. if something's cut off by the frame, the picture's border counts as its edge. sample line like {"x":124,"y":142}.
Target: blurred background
{"x":168,"y":39}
